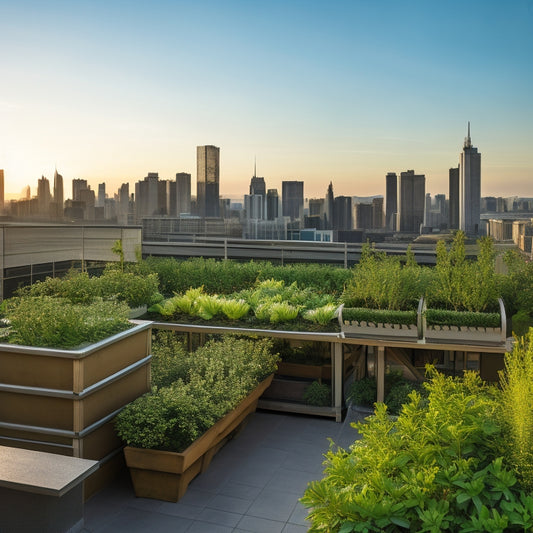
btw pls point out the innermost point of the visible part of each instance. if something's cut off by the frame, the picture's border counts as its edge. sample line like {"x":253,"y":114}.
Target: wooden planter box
{"x":64,"y":401}
{"x":300,"y":370}
{"x":166,"y":475}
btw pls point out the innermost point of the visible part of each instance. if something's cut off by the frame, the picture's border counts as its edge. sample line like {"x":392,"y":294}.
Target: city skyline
{"x":342,"y":92}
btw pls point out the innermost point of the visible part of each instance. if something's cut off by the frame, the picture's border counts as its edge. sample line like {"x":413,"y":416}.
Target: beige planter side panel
{"x":36,"y":371}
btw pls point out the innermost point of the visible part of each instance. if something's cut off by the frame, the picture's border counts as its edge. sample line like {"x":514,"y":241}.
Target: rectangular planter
{"x":365,"y":329}
{"x":164,"y":475}
{"x":464,"y":334}
{"x":64,"y":401}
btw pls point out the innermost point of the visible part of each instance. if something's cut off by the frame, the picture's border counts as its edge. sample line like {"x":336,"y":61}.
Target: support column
{"x":338,"y":381}
{"x":380,"y":373}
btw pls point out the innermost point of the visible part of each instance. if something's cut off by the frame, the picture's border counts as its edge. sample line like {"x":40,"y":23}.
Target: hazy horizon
{"x":343,"y":91}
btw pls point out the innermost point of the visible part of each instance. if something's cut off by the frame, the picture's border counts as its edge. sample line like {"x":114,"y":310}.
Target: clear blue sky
{"x":319,"y":91}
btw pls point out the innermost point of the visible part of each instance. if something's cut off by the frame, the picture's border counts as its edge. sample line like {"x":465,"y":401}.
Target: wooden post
{"x":380,"y":373}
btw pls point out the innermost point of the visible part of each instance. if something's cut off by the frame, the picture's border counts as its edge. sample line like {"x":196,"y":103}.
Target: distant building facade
{"x":208,"y":181}
{"x":411,"y":201}
{"x":292,"y":199}
{"x":469,"y":188}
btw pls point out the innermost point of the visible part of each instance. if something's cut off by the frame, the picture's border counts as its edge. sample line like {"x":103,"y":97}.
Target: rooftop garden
{"x":456,"y":458}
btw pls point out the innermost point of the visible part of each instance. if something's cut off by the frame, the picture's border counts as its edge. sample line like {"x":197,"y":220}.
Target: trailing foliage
{"x":211,"y":381}
{"x":51,"y":322}
{"x":437,"y":467}
{"x":444,"y":317}
{"x":318,"y":394}
{"x":378,"y":316}
{"x":517,"y":398}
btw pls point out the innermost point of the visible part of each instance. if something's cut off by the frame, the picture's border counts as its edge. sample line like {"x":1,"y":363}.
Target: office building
{"x":342,"y":213}
{"x":377,"y":213}
{"x":183,"y":193}
{"x":453,"y":196}
{"x":362,"y":216}
{"x":2,"y":198}
{"x":272,"y":204}
{"x":208,"y":181}
{"x":258,"y":186}
{"x":100,"y":200}
{"x":469,"y":188}
{"x":43,"y":197}
{"x":78,"y":185}
{"x":391,"y":200}
{"x":411,"y":201}
{"x":150,"y":196}
{"x":329,"y":206}
{"x":292,"y":199}
{"x":59,"y":200}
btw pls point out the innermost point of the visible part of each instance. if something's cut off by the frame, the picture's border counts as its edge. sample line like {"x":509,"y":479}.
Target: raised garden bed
{"x":165,"y":475}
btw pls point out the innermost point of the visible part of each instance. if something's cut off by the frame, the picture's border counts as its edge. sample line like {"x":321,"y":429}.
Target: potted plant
{"x":173,"y":432}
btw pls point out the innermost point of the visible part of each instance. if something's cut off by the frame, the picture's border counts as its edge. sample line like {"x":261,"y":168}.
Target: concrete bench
{"x":41,"y":492}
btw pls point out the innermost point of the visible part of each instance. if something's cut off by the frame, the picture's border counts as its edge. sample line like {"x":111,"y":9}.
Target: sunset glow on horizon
{"x":341,"y":91}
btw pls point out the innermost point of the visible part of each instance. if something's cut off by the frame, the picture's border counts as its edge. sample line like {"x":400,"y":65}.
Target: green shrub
{"x":444,"y":317}
{"x":212,"y":381}
{"x":135,"y":290}
{"x":51,"y":322}
{"x":282,"y":312}
{"x":521,"y":322}
{"x":379,"y":316}
{"x":434,"y":468}
{"x":170,"y":360}
{"x":318,"y":394}
{"x":207,"y":306}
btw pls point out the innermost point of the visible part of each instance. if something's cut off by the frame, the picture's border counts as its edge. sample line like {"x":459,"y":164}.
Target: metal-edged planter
{"x":64,"y":401}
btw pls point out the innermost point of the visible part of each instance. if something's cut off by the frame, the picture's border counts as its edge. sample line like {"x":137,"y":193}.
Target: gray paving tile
{"x":207,"y":527}
{"x":181,"y":509}
{"x":273,"y":503}
{"x":289,"y":480}
{"x":253,"y":524}
{"x":137,"y":521}
{"x":222,"y":518}
{"x":298,"y":516}
{"x":294,"y":528}
{"x":240,"y":490}
{"x":229,"y":504}
{"x":197,"y":497}
{"x":257,"y":474}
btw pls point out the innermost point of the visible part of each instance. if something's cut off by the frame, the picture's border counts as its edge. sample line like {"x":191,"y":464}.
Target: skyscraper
{"x":272,"y":204}
{"x":329,"y":206}
{"x":292,"y":199}
{"x":469,"y":187}
{"x":1,"y":189}
{"x":78,"y":185}
{"x":43,"y":196}
{"x":453,"y":193}
{"x":411,"y":201}
{"x":183,"y":193}
{"x":207,"y":180}
{"x":391,"y":199}
{"x":58,"y":195}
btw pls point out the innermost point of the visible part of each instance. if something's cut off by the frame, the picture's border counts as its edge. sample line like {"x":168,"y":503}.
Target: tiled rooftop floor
{"x":252,"y":485}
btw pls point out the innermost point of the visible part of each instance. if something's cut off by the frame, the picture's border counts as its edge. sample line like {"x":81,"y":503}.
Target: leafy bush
{"x":435,"y":468}
{"x":322,"y":315}
{"x":211,"y":382}
{"x":51,"y":322}
{"x":464,"y":285}
{"x":363,"y":392}
{"x":384,"y":282}
{"x":282,"y":312}
{"x":444,"y":317}
{"x":235,"y":309}
{"x":379,"y":316}
{"x":517,"y":398}
{"x":170,"y":360}
{"x":318,"y":394}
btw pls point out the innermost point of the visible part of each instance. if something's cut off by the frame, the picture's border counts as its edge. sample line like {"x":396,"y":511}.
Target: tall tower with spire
{"x":469,"y":187}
